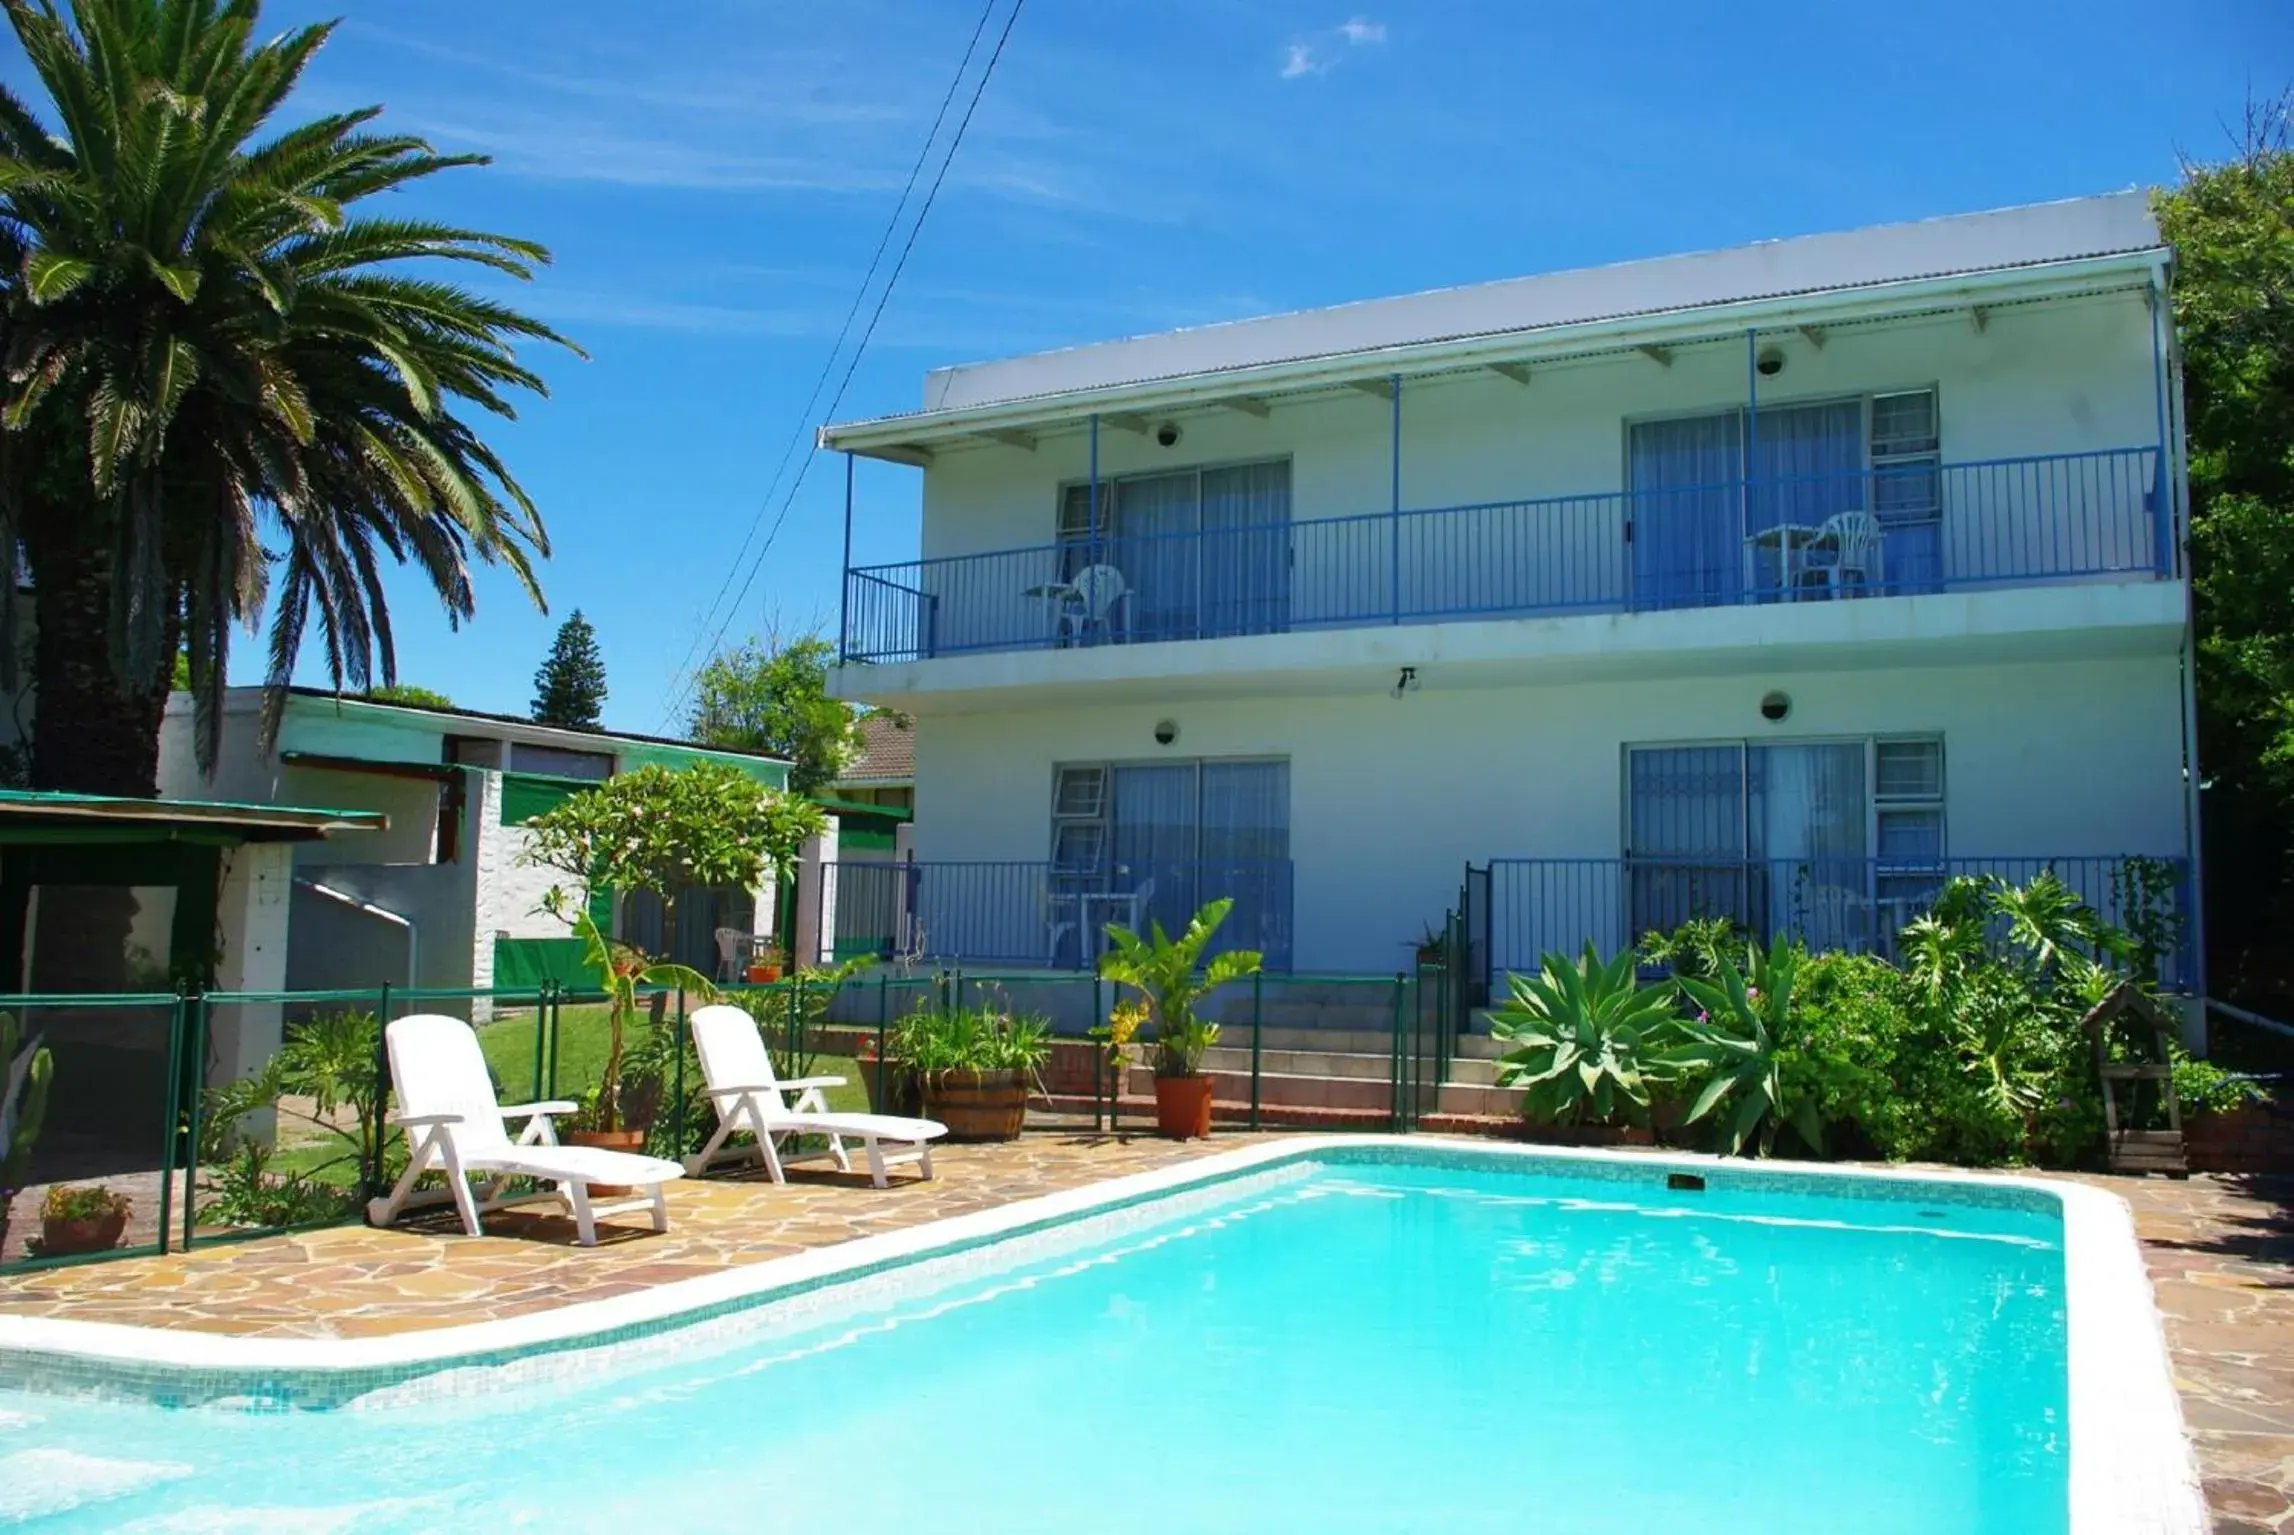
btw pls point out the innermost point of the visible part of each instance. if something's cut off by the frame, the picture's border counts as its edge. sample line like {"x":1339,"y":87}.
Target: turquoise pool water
{"x":1340,"y":1347}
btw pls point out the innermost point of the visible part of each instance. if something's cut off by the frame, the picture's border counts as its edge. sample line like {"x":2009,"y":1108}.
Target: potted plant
{"x":1585,"y":1036}
{"x":1171,"y":979}
{"x":81,"y":1218}
{"x":765,"y":965}
{"x":25,"y":1072}
{"x":974,"y":1066}
{"x":1433,"y":947}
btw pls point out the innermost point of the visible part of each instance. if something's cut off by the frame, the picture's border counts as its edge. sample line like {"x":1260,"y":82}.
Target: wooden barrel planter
{"x":978,"y":1105}
{"x":71,"y":1238}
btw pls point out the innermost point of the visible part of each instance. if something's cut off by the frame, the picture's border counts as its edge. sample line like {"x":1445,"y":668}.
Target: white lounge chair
{"x":453,"y":1123}
{"x":747,"y":1095}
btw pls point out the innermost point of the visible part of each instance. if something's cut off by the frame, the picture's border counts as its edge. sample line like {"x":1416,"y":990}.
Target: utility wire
{"x":682,"y":686}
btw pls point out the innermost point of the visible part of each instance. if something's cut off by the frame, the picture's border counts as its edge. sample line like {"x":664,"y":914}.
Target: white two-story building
{"x":1777,"y":582}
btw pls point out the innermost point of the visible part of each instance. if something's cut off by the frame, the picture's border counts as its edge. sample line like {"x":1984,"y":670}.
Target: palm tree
{"x":215,"y":366}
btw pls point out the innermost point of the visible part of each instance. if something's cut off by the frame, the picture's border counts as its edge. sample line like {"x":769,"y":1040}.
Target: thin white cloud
{"x":1319,"y":53}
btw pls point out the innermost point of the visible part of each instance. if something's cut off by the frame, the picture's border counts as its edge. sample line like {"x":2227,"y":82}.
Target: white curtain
{"x":1156,"y":519}
{"x":1687,"y":507}
{"x":1807,"y":463}
{"x":1246,"y":549}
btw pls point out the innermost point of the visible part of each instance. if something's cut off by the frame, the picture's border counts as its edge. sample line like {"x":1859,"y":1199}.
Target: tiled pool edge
{"x":2131,"y":1471}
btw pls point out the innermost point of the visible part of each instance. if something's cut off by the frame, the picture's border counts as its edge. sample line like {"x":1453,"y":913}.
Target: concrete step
{"x":1319,"y":1092}
{"x":1298,"y":1063}
{"x":1486,"y":1101}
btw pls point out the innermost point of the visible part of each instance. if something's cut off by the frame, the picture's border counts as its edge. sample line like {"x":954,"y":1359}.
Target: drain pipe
{"x":381,"y":913}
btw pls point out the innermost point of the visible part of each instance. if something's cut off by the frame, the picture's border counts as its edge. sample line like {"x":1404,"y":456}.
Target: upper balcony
{"x":1892,"y":530}
{"x":1960,"y":433}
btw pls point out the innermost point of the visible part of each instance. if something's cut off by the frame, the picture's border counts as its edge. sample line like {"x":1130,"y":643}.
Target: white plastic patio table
{"x":1792,"y":541}
{"x":1057,"y":597}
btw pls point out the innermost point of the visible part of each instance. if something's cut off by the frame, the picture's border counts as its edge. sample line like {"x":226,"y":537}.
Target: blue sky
{"x":713,"y":175}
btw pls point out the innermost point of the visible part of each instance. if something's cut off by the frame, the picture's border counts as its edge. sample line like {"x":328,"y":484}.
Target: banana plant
{"x":1582,"y":1034}
{"x":25,"y":1074}
{"x":1171,"y":978}
{"x":623,"y":969}
{"x":1734,"y":1045}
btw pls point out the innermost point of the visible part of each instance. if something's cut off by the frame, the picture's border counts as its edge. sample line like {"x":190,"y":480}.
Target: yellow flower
{"x":1123,"y":1022}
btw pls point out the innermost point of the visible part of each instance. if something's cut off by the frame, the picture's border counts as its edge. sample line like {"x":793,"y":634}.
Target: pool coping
{"x":2131,"y":1467}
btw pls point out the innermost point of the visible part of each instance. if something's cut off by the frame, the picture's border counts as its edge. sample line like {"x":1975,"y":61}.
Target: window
{"x":1908,"y":800}
{"x":557,"y":762}
{"x":1907,"y":488}
{"x":1174,"y":835}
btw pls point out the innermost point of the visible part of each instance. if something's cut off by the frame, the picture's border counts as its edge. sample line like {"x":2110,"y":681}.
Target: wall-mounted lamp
{"x":1407,"y":682}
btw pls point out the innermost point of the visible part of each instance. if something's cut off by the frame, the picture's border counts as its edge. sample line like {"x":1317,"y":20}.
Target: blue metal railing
{"x":1944,"y":527}
{"x":1038,"y":915}
{"x":1540,"y":906}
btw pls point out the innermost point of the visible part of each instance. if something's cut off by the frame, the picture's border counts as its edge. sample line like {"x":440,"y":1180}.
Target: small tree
{"x":663,"y":831}
{"x":569,"y":690}
{"x":774,"y":698}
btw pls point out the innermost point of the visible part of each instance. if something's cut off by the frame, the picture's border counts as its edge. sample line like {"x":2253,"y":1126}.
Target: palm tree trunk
{"x":92,"y":731}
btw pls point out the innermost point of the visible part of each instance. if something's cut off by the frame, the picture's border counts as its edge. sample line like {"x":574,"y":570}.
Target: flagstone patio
{"x":2220,"y":1252}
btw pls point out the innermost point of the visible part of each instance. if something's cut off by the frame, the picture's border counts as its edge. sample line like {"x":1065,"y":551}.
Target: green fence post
{"x":195,"y":1064}
{"x":677,"y":1097}
{"x":540,"y":1014}
{"x":1395,"y":1055}
{"x":172,"y":1122}
{"x":883,"y":1018}
{"x":1099,"y":1012}
{"x":1258,"y":978}
{"x":370,"y":1165}
{"x":550,"y":1006}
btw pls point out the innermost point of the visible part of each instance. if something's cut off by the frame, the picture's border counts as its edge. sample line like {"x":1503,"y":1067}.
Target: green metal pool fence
{"x":223,"y":1116}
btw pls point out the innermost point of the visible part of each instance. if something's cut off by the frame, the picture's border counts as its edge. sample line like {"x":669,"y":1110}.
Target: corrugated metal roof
{"x":256,"y":822}
{"x":1961,"y":245}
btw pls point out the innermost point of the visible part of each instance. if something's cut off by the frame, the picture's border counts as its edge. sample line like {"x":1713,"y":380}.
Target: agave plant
{"x":1581,"y":1034}
{"x":1171,"y":978}
{"x":1734,"y":1046}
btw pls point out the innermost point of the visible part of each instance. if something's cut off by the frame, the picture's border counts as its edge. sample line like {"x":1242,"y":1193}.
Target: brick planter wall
{"x":2257,"y":1138}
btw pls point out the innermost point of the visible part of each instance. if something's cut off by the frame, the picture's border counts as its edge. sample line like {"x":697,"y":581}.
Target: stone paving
{"x":2220,"y":1252}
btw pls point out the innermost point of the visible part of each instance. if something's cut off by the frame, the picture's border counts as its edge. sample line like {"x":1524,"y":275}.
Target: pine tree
{"x":569,"y":690}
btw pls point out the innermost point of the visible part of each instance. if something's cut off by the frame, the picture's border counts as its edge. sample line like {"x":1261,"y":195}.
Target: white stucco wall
{"x":2063,"y":377}
{"x":1391,"y":797}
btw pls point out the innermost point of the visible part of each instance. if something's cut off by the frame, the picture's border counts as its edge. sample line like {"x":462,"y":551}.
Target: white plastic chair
{"x":729,"y":941}
{"x":747,"y":1095}
{"x":1100,"y":594}
{"x":453,"y":1123}
{"x":1856,"y":543}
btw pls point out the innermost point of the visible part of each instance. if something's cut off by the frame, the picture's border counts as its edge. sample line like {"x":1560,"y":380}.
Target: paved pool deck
{"x":2220,"y":1252}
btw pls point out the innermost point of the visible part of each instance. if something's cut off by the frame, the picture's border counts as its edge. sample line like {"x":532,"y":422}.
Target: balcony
{"x":1042,"y":916}
{"x":1539,"y":906}
{"x":2001,"y":523}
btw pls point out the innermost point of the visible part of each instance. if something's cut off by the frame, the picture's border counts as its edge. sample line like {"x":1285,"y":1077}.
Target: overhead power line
{"x":688,"y":671}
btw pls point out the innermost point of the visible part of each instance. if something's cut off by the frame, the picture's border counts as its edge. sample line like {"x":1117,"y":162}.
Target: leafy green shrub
{"x":1582,"y":1034}
{"x":82,"y":1202}
{"x":1171,"y":978}
{"x":931,"y":1041}
{"x":2206,"y":1088}
{"x":1735,"y":1048}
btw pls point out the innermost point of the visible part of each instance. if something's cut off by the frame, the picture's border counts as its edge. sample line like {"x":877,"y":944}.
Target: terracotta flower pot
{"x":95,"y":1234}
{"x":1183,"y":1107}
{"x":764,"y":975}
{"x":611,"y":1140}
{"x":978,"y":1105}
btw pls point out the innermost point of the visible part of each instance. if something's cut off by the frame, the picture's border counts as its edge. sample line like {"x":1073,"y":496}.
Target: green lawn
{"x":509,"y":1045}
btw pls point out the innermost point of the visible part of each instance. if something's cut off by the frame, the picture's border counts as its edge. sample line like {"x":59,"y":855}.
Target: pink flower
{"x":1704,"y":1018}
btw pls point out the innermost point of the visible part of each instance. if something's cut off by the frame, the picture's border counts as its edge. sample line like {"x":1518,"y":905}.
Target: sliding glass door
{"x":1201,"y":552}
{"x":1776,"y":838}
{"x":1719,"y":511}
{"x":1165,"y":837}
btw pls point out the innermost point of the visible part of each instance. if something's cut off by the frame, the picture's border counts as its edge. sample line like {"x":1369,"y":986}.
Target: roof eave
{"x":909,"y":438}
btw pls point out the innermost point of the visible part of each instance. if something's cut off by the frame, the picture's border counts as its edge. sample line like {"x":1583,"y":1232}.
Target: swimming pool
{"x":1356,"y":1337}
